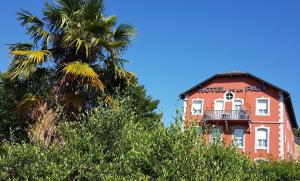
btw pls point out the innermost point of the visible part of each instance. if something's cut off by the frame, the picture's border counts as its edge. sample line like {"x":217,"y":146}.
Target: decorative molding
{"x":185,"y":101}
{"x":265,"y":122}
{"x":281,"y":126}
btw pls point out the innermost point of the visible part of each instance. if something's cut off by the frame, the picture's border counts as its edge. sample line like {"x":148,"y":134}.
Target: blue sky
{"x":180,"y":43}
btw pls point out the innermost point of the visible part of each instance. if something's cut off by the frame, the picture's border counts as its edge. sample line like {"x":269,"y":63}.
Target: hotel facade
{"x":242,"y":109}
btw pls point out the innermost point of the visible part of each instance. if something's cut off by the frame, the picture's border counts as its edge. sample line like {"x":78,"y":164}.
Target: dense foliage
{"x":112,"y":144}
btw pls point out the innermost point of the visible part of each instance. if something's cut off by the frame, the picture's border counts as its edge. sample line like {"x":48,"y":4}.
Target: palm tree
{"x":81,"y":46}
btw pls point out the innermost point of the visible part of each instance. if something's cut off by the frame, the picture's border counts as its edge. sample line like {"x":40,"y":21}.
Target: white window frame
{"x":244,"y":142}
{"x":256,"y":110}
{"x":202,"y":106}
{"x":216,"y":127}
{"x":268,"y":138}
{"x":238,"y":99}
{"x":216,"y":100}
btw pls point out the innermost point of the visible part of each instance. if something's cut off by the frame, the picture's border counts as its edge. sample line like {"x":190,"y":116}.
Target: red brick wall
{"x":271,"y":121}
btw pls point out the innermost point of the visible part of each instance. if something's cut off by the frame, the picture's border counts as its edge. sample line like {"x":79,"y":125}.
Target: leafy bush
{"x":284,"y":170}
{"x":113,"y":144}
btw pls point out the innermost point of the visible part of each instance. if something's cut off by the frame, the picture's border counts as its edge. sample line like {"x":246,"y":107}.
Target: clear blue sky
{"x":181,"y":43}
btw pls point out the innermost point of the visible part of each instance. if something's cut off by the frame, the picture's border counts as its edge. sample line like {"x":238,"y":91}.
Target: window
{"x":262,"y":107}
{"x":238,"y":137}
{"x":238,"y":104}
{"x":197,"y":107}
{"x":262,"y":138}
{"x":219,"y":105}
{"x":215,"y":135}
{"x":229,"y":96}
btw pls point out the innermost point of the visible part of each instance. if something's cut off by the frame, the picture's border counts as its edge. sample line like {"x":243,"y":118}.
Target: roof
{"x":286,"y":94}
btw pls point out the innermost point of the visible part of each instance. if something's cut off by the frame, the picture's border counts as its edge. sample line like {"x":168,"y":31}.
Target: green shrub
{"x":111,"y":144}
{"x":275,"y":171}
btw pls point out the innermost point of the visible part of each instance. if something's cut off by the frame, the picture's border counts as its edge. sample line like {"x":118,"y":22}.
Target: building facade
{"x":244,"y":110}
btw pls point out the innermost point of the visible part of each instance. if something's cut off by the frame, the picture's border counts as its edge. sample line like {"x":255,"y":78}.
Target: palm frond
{"x":34,"y":26}
{"x":69,"y":6}
{"x":33,"y":56}
{"x":80,"y":44}
{"x":52,"y":16}
{"x":93,"y":9}
{"x":125,"y":33}
{"x":20,"y":46}
{"x":25,"y":62}
{"x":82,"y":72}
{"x":17,"y":69}
{"x":110,"y":21}
{"x":120,"y":72}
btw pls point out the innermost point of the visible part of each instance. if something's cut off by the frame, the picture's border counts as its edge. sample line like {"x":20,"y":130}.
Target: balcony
{"x":227,"y":115}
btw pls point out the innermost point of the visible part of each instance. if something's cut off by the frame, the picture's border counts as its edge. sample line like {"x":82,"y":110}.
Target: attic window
{"x":229,"y":96}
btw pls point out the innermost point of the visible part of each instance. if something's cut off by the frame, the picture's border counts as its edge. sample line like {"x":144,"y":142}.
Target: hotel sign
{"x":223,"y":90}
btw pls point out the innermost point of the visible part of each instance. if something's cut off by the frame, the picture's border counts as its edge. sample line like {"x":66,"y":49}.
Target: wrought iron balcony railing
{"x":227,"y":115}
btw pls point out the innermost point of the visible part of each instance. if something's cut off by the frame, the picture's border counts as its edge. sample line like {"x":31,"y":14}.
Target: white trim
{"x":202,"y":106}
{"x":237,"y":99}
{"x":232,"y":137}
{"x":185,"y":103}
{"x":268,"y":138}
{"x":269,"y":103}
{"x":281,"y":129}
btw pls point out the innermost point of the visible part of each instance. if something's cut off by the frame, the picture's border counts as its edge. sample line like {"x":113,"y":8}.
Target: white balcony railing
{"x":227,"y":115}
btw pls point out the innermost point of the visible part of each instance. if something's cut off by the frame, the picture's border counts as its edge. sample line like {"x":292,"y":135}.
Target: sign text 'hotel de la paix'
{"x":223,"y":90}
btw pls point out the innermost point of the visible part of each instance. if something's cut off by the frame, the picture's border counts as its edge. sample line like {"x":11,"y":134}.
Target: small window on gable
{"x":262,"y":107}
{"x":197,"y":107}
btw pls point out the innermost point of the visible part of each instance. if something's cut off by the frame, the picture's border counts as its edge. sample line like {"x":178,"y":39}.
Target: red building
{"x":244,"y":110}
